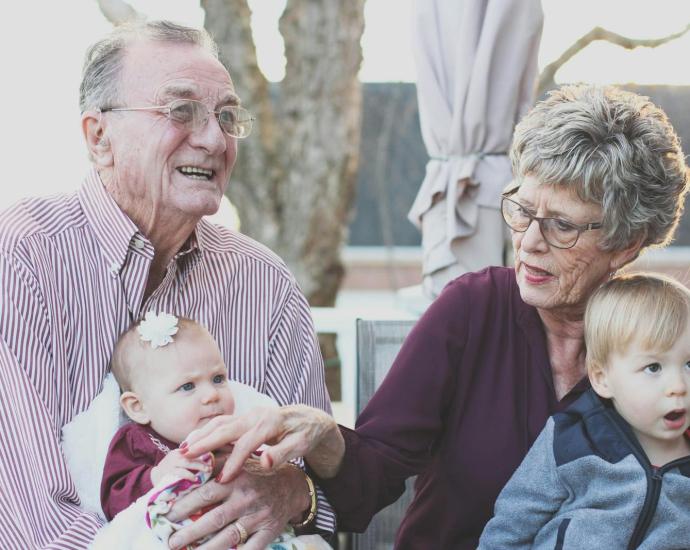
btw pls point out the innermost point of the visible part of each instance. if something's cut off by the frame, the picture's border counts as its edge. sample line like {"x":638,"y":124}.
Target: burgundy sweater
{"x":133,"y":452}
{"x":465,"y":399}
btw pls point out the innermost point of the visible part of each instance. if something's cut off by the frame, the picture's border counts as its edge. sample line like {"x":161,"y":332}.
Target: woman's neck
{"x":565,"y":343}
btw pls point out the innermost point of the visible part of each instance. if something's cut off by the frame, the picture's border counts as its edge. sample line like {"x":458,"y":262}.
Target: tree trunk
{"x":294,"y":181}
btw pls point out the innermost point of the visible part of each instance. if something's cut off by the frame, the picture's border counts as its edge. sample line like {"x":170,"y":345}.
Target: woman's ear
{"x":96,"y":140}
{"x":627,"y":255}
{"x":599,"y":381}
{"x":134,"y":408}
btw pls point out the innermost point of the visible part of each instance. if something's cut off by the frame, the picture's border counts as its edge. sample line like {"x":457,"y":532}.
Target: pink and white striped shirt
{"x":71,"y":266}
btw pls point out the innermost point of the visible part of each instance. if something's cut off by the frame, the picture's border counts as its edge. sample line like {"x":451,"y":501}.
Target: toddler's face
{"x":649,"y":389}
{"x":185,"y":385}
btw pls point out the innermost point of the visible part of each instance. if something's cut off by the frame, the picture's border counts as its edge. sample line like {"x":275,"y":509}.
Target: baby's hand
{"x":177,"y":465}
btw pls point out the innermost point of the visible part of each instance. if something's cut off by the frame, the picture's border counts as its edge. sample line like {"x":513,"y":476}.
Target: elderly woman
{"x":599,"y":178}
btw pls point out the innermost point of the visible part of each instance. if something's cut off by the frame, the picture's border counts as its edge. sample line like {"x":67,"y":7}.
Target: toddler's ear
{"x":134,"y":408}
{"x":599,"y":381}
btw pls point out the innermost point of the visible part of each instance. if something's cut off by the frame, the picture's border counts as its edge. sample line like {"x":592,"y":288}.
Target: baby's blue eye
{"x":218,"y":379}
{"x":189,"y":386}
{"x":653,"y":368}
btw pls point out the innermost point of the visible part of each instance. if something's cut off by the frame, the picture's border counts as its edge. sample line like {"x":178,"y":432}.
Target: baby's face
{"x":185,"y":385}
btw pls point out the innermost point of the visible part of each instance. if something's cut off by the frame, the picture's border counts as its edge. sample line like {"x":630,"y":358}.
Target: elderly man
{"x":161,"y":121}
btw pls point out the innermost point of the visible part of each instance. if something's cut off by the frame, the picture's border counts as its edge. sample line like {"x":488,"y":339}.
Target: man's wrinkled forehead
{"x":175,"y":71}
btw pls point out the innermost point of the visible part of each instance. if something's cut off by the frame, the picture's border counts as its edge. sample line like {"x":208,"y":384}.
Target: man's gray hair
{"x":100,"y":85}
{"x":611,"y":147}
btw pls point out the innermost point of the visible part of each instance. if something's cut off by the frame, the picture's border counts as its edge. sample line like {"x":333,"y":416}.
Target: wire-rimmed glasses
{"x":557,"y":232}
{"x":190,"y":115}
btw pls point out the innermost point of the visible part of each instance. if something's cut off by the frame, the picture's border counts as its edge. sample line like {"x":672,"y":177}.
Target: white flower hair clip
{"x":158,"y":329}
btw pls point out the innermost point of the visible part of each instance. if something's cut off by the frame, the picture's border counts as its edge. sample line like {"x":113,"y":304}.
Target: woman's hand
{"x":292,"y":431}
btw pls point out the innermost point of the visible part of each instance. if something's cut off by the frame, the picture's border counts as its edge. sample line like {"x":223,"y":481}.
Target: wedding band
{"x":243,"y":532}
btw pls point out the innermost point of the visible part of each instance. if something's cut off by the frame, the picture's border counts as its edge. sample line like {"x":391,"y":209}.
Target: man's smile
{"x":196,"y":172}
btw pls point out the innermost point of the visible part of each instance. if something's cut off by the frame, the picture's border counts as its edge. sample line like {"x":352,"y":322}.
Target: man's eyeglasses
{"x":190,"y":115}
{"x":558,"y":233}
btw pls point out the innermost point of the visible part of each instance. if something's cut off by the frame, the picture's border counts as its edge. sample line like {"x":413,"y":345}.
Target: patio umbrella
{"x":476,"y":69}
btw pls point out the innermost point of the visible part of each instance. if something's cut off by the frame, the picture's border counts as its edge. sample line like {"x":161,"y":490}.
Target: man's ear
{"x":96,"y":141}
{"x":599,"y":381}
{"x":134,"y":408}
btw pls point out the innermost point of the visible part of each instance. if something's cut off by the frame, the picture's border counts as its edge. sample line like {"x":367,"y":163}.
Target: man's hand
{"x":262,"y":501}
{"x":177,"y":465}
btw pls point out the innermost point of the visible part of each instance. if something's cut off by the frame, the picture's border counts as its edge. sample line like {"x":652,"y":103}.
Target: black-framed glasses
{"x":557,"y":232}
{"x":190,"y":115}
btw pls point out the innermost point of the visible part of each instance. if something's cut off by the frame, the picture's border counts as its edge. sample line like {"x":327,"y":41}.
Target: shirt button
{"x":139,"y":243}
{"x":114,"y":269}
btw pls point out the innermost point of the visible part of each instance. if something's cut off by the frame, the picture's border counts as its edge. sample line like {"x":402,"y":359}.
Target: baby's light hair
{"x":128,"y":361}
{"x":649,"y":309}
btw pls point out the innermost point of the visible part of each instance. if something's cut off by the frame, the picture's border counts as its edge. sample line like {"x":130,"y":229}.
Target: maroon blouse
{"x":133,"y":452}
{"x":465,"y":399}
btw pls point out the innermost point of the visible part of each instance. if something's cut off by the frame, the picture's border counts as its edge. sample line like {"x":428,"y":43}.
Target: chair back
{"x":378,"y":344}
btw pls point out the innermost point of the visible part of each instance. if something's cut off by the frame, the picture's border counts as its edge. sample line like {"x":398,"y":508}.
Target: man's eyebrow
{"x":230,"y":99}
{"x":178,"y":91}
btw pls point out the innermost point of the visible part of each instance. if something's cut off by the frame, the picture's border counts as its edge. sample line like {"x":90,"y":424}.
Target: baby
{"x":613,"y":470}
{"x":170,"y":387}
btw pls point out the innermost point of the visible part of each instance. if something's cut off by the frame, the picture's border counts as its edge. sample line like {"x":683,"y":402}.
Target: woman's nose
{"x":533,"y":239}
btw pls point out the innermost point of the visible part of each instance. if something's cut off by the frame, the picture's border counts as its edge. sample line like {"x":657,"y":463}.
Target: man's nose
{"x":210,"y":137}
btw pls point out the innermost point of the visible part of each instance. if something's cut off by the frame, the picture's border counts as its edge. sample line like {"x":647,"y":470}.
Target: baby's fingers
{"x":196,"y":465}
{"x":184,"y":474}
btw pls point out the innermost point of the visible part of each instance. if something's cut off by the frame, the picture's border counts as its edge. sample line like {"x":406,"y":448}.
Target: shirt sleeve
{"x":396,"y":430}
{"x":38,"y":500}
{"x":127,"y":471}
{"x":529,"y":500}
{"x":296,"y":374}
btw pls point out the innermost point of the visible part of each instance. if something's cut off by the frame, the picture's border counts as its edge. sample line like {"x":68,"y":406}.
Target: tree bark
{"x":294,"y":182}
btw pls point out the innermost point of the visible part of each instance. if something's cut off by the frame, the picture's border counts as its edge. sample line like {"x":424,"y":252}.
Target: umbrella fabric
{"x":476,"y":69}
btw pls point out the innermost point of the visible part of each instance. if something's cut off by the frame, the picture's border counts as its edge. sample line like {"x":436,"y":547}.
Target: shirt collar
{"x":112,"y":227}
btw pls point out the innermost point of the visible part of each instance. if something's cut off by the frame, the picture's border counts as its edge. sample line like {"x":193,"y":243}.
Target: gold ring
{"x":243,"y":532}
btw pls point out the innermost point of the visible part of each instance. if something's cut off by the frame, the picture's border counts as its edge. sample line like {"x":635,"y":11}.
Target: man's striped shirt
{"x":73,"y":272}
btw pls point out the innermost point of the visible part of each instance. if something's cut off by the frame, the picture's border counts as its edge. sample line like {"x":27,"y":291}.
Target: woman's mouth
{"x":535,"y":275}
{"x":675,"y":419}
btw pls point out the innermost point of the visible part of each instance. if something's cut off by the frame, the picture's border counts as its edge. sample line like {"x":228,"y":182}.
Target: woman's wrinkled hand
{"x":292,"y":431}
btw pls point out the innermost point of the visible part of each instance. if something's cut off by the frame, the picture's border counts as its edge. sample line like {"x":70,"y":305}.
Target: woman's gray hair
{"x":100,"y":85}
{"x":610,"y":147}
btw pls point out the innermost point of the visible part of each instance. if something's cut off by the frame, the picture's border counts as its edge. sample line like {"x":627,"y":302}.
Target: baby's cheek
{"x":230,"y":405}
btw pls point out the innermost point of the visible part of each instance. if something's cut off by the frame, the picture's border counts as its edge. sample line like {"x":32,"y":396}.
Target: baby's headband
{"x":158,"y":329}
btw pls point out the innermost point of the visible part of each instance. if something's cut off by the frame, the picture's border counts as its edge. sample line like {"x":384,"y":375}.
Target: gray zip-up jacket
{"x":587,"y":483}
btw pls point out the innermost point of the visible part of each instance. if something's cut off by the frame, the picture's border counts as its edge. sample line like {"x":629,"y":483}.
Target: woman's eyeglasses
{"x":557,"y":232}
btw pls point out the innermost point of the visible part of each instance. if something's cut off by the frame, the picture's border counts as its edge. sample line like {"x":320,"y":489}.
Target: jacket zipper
{"x":654,"y":479}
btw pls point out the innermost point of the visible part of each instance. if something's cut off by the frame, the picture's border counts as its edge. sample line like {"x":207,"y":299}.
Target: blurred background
{"x":336,"y":159}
